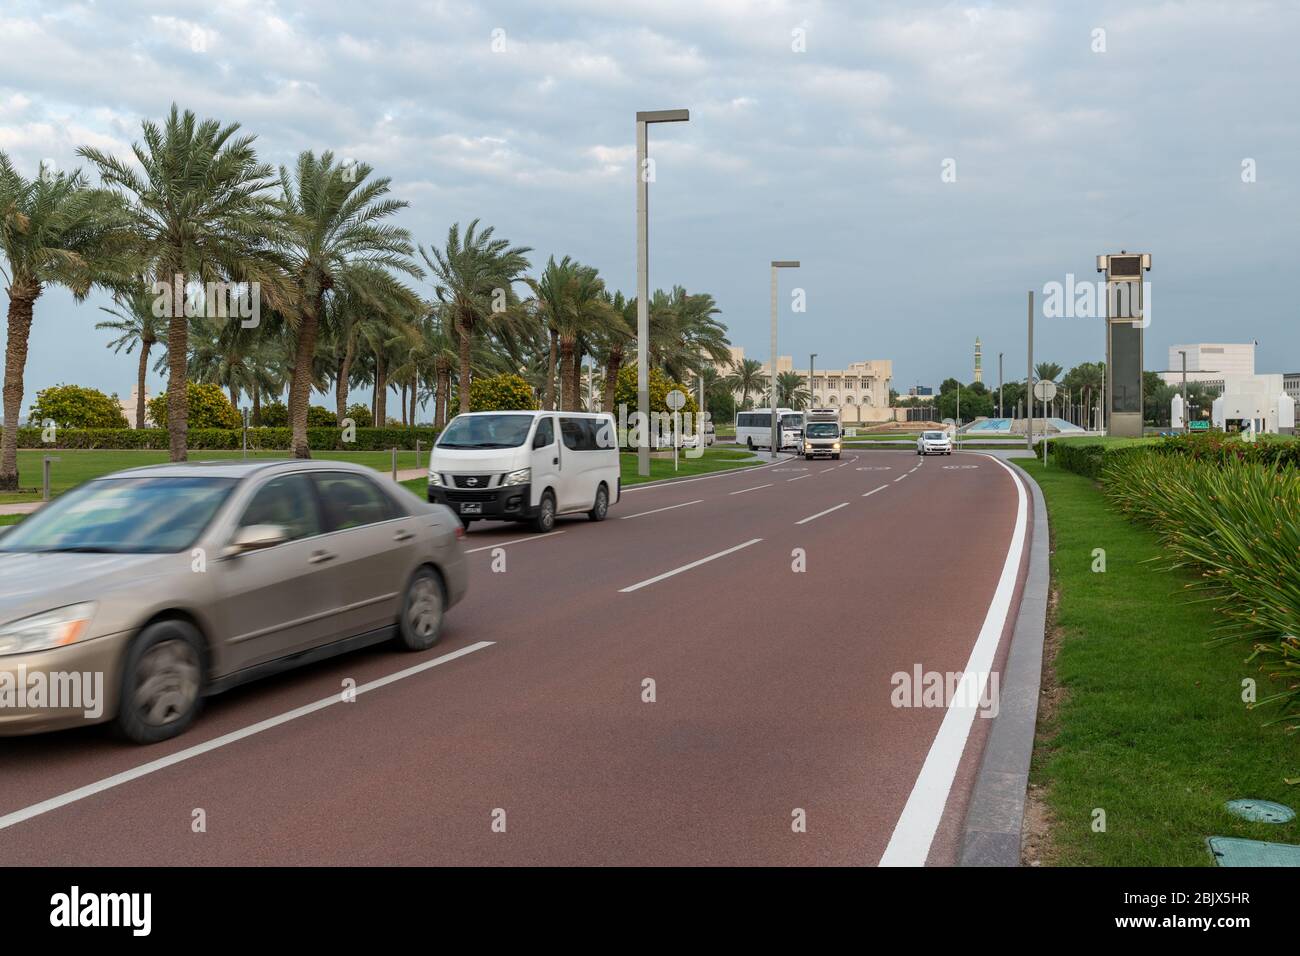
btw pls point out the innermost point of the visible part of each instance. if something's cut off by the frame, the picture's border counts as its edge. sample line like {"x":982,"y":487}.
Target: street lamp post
{"x":776,"y":264}
{"x":812,"y":402}
{"x":643,"y":121}
{"x":1029,"y":378}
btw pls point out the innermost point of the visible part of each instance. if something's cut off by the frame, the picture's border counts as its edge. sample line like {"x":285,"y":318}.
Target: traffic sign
{"x":1044,"y":390}
{"x":676,"y":399}
{"x":1201,"y":426}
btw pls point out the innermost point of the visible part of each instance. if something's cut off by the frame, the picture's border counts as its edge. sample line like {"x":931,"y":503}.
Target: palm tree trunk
{"x":567,"y":345}
{"x":21,"y":300}
{"x":234,"y":396}
{"x":612,"y":367}
{"x":381,"y":392}
{"x":178,"y":398}
{"x":300,"y":388}
{"x":548,"y":399}
{"x":257,"y":405}
{"x":403,"y":404}
{"x":466,"y":328}
{"x":441,"y":391}
{"x":341,"y":384}
{"x":414,"y":393}
{"x":140,"y":374}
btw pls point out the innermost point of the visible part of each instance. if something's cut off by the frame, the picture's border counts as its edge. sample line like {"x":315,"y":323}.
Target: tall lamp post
{"x":643,"y":121}
{"x":812,"y":403}
{"x":776,"y":264}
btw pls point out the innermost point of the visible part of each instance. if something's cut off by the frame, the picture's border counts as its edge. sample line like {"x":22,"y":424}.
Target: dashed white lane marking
{"x":755,"y":488}
{"x":797,"y":479}
{"x":655,"y":511}
{"x":686,"y":567}
{"x":831,"y":468}
{"x":153,"y":766}
{"x":874,"y":490}
{"x":914,"y":832}
{"x":502,"y":544}
{"x":901,"y":477}
{"x":820,"y":513}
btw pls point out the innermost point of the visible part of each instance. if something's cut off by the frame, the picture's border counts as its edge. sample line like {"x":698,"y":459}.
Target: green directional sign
{"x":1199,"y":426}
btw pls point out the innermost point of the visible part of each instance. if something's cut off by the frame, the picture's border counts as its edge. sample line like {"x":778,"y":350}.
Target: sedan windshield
{"x":822,"y":430}
{"x":486,"y":431}
{"x":935,"y":436}
{"x":123,"y":516}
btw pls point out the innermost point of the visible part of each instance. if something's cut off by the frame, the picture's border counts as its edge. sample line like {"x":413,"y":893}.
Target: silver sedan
{"x":133,"y":596}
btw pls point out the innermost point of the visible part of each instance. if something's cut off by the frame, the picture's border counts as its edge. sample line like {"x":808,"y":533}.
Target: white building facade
{"x":860,"y":391}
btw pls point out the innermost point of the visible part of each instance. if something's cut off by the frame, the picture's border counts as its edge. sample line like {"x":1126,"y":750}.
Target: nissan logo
{"x":471,"y":481}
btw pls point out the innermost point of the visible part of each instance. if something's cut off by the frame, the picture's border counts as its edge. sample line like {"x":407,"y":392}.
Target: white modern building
{"x":1211,"y":363}
{"x":860,"y":391}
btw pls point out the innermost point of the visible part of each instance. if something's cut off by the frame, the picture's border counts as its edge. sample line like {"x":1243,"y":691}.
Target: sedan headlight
{"x":521,"y":477}
{"x":56,"y":628}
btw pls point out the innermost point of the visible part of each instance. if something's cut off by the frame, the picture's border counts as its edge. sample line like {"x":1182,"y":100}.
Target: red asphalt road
{"x":772,"y":694}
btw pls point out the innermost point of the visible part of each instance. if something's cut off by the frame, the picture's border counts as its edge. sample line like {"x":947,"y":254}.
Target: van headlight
{"x":435,"y":479}
{"x":56,"y":628}
{"x":521,"y":477}
{"x":836,"y":446}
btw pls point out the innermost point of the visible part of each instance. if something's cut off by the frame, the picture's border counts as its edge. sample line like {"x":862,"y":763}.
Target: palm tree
{"x":684,"y":335}
{"x":790,"y":391}
{"x":475,"y":277}
{"x":134,"y":318}
{"x":54,"y":230}
{"x":746,"y":376}
{"x":611,"y":340}
{"x":200,"y":213}
{"x":334,"y":240}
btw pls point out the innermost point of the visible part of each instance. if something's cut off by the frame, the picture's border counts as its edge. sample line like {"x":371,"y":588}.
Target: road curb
{"x":992,"y":831}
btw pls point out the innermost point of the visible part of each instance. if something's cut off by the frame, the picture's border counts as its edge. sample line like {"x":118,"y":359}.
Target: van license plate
{"x":471,"y":507}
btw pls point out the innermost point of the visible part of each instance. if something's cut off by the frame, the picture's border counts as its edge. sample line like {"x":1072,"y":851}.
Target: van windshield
{"x":823,"y":430}
{"x":486,"y":431}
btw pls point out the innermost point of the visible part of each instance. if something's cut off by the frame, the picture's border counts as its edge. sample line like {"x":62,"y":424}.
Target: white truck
{"x":822,"y":434}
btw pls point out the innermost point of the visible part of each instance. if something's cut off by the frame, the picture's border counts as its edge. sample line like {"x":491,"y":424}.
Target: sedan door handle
{"x":403,"y":536}
{"x":320,"y":557}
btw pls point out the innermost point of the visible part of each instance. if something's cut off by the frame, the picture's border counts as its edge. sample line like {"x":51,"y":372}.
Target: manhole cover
{"x":1261,"y":811}
{"x":1231,"y":851}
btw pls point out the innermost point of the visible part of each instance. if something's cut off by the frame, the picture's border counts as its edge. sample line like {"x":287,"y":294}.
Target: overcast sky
{"x":818,"y":131}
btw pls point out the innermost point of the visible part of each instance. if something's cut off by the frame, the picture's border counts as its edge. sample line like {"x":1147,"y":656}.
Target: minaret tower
{"x":979,"y":361}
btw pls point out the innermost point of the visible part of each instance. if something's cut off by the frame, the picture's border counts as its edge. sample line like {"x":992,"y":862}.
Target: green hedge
{"x":264,"y":439}
{"x":1091,"y":456}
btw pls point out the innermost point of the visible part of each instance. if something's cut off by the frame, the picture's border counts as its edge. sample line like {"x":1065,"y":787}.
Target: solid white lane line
{"x":502,"y":544}
{"x":901,"y":477}
{"x":755,"y":488}
{"x":820,"y":513}
{"x":874,"y":490}
{"x":657,"y":510}
{"x":910,"y":843}
{"x":724,"y":473}
{"x":153,"y":766}
{"x":800,"y":478}
{"x":686,"y":567}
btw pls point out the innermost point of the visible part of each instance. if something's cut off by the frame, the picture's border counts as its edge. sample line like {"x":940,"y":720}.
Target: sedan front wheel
{"x":162,"y":682}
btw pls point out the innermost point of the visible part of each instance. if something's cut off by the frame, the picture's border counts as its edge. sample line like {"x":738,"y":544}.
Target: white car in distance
{"x":934,"y":443}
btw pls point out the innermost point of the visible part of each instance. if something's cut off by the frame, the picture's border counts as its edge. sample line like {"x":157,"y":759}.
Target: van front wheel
{"x":601,"y":508}
{"x":545,"y":519}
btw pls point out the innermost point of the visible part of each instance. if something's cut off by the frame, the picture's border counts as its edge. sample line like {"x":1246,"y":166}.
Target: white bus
{"x":754,"y":428}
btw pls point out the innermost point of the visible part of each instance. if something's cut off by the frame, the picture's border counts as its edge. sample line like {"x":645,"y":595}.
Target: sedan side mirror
{"x":256,"y":537}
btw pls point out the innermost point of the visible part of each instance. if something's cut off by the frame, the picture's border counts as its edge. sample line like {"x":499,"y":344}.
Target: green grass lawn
{"x":77,"y":465}
{"x":1150,"y":726}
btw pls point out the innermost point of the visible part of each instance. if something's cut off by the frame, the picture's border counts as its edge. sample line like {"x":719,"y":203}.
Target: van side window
{"x":579,"y":433}
{"x":603,"y":433}
{"x":545,"y":433}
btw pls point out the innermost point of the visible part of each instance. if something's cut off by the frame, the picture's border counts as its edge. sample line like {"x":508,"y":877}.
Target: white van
{"x":526,"y":466}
